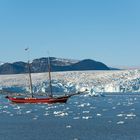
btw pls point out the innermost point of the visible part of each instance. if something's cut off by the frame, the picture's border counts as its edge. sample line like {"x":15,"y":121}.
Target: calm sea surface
{"x":113,"y":117}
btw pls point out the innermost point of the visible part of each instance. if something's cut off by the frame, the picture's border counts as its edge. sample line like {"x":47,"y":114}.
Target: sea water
{"x":113,"y":117}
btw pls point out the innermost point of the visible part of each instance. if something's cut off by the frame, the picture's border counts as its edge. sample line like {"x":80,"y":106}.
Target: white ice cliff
{"x":74,"y":81}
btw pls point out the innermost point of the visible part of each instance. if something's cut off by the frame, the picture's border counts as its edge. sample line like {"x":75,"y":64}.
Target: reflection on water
{"x":81,"y":118}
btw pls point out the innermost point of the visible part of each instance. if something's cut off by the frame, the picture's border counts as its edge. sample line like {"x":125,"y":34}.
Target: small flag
{"x":26,"y":49}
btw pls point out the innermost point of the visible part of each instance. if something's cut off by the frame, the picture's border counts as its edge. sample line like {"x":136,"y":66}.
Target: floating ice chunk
{"x":4,"y":111}
{"x":104,"y":109}
{"x":133,"y":109}
{"x":46,"y":114}
{"x":5,"y":107}
{"x":85,"y":111}
{"x":18,"y":107}
{"x":92,"y":92}
{"x":120,"y":122}
{"x":76,"y":118}
{"x":99,"y":114}
{"x":118,"y":104}
{"x":131,"y":115}
{"x":92,"y":107}
{"x":84,"y":104}
{"x":126,"y":118}
{"x":120,"y":115}
{"x":60,"y":113}
{"x":85,"y":117}
{"x":28,"y":111}
{"x":68,"y":126}
{"x":35,"y":118}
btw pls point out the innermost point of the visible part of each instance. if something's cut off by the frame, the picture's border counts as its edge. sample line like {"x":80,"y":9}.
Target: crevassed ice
{"x":70,"y":82}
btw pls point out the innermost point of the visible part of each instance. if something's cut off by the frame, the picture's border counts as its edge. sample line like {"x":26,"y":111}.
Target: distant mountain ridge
{"x":57,"y":64}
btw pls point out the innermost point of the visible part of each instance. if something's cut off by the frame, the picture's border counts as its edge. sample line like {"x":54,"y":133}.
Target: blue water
{"x":113,"y":117}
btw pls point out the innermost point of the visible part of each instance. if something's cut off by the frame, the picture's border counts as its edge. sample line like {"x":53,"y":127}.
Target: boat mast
{"x":50,"y":81}
{"x":30,"y":79}
{"x":29,"y":71}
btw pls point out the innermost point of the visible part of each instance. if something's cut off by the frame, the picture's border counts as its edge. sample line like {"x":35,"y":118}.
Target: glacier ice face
{"x":127,"y":81}
{"x":74,"y":81}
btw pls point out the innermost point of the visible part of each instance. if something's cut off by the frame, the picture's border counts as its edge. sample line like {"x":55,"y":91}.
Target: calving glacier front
{"x":74,"y":81}
{"x":127,"y":81}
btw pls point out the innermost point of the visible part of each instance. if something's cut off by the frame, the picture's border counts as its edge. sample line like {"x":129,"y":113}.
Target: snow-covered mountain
{"x":74,"y":81}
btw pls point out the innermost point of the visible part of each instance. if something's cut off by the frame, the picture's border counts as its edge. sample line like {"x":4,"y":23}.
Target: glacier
{"x":73,"y":81}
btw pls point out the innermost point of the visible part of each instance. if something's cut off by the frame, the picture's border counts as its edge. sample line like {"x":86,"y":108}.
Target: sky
{"x":102,"y":30}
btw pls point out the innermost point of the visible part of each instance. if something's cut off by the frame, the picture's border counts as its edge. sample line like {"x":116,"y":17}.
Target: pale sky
{"x":102,"y":30}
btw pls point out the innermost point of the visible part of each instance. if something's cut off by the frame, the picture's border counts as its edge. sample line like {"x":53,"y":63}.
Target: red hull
{"x":49,"y":100}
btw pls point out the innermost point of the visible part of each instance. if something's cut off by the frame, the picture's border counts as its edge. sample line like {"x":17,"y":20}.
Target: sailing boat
{"x":50,"y":100}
